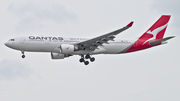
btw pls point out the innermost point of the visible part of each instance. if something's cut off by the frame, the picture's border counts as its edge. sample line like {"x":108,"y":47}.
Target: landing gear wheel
{"x":23,"y":56}
{"x":81,"y":60}
{"x":87,"y":56}
{"x":86,"y":62}
{"x":92,"y":59}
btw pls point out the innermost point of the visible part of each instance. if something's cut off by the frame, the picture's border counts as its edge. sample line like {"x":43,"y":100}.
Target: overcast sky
{"x":148,"y":75}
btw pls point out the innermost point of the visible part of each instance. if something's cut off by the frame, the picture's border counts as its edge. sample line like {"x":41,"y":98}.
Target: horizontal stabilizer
{"x":160,"y":41}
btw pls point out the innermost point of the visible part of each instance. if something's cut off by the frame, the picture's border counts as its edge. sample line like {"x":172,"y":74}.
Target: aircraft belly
{"x":115,"y":48}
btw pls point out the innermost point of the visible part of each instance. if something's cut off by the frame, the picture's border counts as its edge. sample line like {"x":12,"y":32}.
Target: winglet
{"x":130,"y":24}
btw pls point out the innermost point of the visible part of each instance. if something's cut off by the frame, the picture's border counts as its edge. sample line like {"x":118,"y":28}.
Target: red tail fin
{"x":157,"y":30}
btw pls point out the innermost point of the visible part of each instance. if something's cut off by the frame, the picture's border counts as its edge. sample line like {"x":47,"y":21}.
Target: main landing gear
{"x":23,"y":56}
{"x":92,"y":59}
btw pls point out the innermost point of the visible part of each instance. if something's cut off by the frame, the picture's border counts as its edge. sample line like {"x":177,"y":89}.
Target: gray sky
{"x":151,"y":74}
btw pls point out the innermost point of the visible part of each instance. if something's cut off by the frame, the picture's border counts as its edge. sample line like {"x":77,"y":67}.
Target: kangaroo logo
{"x":155,"y":32}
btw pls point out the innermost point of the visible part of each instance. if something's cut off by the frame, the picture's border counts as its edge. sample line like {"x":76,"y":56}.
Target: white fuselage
{"x":61,"y":47}
{"x":52,"y":44}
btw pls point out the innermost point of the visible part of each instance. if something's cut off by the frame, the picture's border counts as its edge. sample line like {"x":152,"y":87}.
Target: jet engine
{"x":59,"y":56}
{"x":68,"y":49}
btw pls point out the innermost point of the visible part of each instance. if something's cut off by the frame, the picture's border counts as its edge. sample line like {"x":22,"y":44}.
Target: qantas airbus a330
{"x":61,"y":47}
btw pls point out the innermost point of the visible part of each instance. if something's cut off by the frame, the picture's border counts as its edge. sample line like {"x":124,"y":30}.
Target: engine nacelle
{"x":67,"y":48}
{"x":59,"y":56}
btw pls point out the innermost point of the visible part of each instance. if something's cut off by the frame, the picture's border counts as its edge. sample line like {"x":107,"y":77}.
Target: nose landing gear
{"x":23,"y":56}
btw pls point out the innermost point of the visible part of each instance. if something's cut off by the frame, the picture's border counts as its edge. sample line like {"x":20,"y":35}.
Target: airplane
{"x":61,"y":47}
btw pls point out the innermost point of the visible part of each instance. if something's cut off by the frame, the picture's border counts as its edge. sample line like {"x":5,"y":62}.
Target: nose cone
{"x":11,"y":45}
{"x":7,"y":44}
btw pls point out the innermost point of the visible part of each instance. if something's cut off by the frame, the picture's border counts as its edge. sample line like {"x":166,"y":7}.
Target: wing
{"x":92,"y":44}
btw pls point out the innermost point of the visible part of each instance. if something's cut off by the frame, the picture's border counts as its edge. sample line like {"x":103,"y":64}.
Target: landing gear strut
{"x":23,"y":56}
{"x":92,"y":59}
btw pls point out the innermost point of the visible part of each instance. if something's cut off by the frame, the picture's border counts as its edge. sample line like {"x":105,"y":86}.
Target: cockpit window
{"x":11,"y":40}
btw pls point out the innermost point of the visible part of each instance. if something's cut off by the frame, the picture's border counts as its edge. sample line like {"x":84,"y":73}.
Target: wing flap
{"x":98,"y":41}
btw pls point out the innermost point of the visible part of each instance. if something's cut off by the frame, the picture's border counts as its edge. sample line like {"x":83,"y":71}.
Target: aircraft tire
{"x":81,"y":60}
{"x":92,"y":59}
{"x":23,"y":56}
{"x":86,"y":62}
{"x":87,"y":56}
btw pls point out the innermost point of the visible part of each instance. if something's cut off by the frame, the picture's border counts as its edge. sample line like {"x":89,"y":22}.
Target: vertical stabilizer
{"x":152,"y":35}
{"x":157,"y":30}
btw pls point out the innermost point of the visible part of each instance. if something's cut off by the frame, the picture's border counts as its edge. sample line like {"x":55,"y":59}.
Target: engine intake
{"x":59,"y":56}
{"x":68,"y":49}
